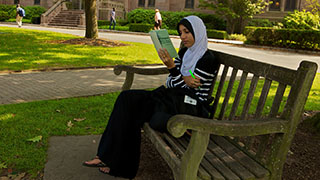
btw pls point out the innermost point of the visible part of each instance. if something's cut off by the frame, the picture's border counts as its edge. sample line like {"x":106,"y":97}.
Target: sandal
{"x":100,"y":164}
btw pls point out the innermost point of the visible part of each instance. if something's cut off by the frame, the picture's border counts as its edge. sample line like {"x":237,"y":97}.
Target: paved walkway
{"x":33,"y":86}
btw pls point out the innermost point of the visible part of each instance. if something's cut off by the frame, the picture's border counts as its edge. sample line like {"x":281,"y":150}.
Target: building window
{"x":189,"y":4}
{"x":141,"y":3}
{"x":151,"y":3}
{"x":16,"y":1}
{"x":290,"y":5}
{"x":275,"y":6}
{"x":36,"y":2}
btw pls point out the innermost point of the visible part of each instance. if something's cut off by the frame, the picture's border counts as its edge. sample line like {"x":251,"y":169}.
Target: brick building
{"x":104,"y":7}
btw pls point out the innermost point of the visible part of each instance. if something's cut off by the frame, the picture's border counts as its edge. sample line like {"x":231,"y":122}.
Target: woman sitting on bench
{"x":188,"y":86}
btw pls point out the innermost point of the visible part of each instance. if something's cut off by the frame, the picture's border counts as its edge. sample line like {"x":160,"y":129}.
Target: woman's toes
{"x":105,"y":170}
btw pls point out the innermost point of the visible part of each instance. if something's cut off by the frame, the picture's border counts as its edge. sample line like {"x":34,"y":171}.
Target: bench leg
{"x":128,"y":82}
{"x":192,"y":157}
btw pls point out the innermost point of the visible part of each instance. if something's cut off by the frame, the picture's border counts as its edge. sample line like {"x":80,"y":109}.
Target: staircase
{"x":70,"y":18}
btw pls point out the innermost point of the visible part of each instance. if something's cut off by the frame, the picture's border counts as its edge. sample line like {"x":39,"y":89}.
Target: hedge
{"x":216,"y":34}
{"x":4,"y":16}
{"x":171,"y":19}
{"x":31,"y":11}
{"x":288,"y":38}
{"x":140,"y":27}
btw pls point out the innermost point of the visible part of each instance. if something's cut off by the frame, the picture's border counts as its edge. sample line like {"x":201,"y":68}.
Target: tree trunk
{"x":91,"y":19}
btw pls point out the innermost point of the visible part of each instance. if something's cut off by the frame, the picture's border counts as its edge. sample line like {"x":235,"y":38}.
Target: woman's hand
{"x":165,"y":58}
{"x":191,"y":82}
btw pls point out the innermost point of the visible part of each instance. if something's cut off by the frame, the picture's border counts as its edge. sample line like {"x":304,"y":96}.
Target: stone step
{"x":60,"y":24}
{"x":67,"y":18}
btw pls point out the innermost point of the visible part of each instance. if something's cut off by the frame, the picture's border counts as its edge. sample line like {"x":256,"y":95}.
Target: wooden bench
{"x":239,"y":141}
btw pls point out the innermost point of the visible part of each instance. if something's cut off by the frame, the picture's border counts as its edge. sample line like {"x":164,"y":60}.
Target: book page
{"x":155,"y":40}
{"x":164,"y":41}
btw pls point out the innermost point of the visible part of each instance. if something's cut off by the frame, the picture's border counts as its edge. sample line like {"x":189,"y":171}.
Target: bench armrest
{"x":178,"y":124}
{"x":141,"y":70}
{"x":137,"y":70}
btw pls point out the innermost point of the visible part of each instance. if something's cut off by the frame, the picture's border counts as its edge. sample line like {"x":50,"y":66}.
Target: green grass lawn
{"x":23,"y":49}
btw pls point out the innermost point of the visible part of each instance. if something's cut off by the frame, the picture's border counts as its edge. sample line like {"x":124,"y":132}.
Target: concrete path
{"x":33,"y":86}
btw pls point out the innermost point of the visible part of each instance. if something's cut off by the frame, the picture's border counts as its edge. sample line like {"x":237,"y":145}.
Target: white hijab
{"x":197,"y":50}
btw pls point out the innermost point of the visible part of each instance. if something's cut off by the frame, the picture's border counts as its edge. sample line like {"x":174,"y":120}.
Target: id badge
{"x":190,"y":100}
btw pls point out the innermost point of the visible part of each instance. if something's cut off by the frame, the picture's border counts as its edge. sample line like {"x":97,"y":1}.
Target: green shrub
{"x":288,"y":38}
{"x":107,"y":22}
{"x":103,"y":22}
{"x":301,"y":20}
{"x":261,"y":23}
{"x":216,"y":34}
{"x":23,"y":20}
{"x":10,"y":9}
{"x":140,"y":27}
{"x":173,"y":32}
{"x":237,"y":37}
{"x":4,"y":16}
{"x":171,"y":19}
{"x":31,"y":11}
{"x":34,"y":11}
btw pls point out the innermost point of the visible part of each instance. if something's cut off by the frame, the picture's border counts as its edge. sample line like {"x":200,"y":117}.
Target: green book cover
{"x":161,"y":39}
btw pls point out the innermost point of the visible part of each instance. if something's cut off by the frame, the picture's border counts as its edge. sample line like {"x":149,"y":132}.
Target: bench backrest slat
{"x":219,"y":91}
{"x":250,"y":94}
{"x":280,"y":74}
{"x":277,"y":100}
{"x":228,"y":93}
{"x":238,"y":95}
{"x":263,"y":98}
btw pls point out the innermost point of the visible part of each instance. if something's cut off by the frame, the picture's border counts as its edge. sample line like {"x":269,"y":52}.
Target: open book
{"x":161,"y":39}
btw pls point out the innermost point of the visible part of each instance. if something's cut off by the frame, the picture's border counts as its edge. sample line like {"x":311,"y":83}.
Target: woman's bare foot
{"x":95,"y":162}
{"x":104,"y":170}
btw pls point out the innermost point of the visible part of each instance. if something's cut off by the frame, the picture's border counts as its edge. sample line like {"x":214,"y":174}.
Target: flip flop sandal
{"x":100,"y":164}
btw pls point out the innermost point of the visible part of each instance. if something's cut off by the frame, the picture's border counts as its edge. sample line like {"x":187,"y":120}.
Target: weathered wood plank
{"x":219,"y":91}
{"x":254,"y":167}
{"x":238,"y":95}
{"x":280,"y":74}
{"x":228,"y":93}
{"x":203,"y":173}
{"x":163,"y":149}
{"x":235,"y":166}
{"x":277,"y":100}
{"x":218,"y":169}
{"x":263,"y":97}
{"x":250,"y":94}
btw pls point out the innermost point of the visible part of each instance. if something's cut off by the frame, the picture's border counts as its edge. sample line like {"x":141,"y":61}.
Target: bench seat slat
{"x":203,"y":172}
{"x":254,"y":167}
{"x":215,"y":162}
{"x":235,"y":166}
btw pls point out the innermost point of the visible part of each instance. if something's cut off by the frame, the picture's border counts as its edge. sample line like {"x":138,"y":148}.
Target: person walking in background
{"x":158,"y":20}
{"x":113,"y":19}
{"x":19,"y":15}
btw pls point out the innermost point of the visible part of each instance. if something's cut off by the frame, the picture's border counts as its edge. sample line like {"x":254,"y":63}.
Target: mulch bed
{"x":90,"y":42}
